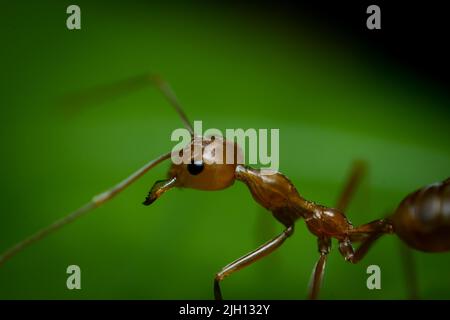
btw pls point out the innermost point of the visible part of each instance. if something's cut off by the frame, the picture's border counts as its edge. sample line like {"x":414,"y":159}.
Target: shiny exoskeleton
{"x":422,"y":220}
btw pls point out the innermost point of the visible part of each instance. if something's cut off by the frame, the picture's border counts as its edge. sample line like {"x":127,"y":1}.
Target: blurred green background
{"x":333,"y":101}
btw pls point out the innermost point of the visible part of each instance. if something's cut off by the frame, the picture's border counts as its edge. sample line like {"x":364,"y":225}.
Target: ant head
{"x":208,"y":163}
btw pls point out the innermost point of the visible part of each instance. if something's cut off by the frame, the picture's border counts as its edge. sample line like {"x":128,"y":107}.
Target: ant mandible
{"x":277,"y":194}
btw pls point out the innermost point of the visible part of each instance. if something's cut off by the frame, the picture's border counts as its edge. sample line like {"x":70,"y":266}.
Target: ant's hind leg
{"x":250,"y":258}
{"x":409,"y":268}
{"x":319,"y":269}
{"x":367,"y":234}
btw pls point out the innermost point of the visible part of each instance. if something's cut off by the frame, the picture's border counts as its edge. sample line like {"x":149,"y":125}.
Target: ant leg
{"x":367,"y":234}
{"x":319,"y":269}
{"x":357,"y":172}
{"x":265,"y":226}
{"x":250,"y":258}
{"x":409,"y":268}
{"x":367,"y":229}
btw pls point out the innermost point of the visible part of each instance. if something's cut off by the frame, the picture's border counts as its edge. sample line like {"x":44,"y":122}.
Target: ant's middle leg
{"x":250,"y":258}
{"x":318,"y":271}
{"x":409,"y":269}
{"x":357,"y":172}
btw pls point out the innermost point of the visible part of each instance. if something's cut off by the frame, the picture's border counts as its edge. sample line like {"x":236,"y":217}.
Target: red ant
{"x":422,"y":219}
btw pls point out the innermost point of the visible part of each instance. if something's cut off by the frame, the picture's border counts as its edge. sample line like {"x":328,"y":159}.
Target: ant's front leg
{"x":249,"y":258}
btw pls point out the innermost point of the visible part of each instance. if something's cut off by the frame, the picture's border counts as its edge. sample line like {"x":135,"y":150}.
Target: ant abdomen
{"x":422,"y":219}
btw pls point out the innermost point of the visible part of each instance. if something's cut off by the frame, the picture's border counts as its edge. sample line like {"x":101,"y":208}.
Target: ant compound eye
{"x":195,"y":168}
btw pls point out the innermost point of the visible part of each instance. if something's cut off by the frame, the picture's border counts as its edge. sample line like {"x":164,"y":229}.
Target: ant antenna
{"x":96,"y":95}
{"x":106,"y":92}
{"x":96,"y":202}
{"x":168,"y":92}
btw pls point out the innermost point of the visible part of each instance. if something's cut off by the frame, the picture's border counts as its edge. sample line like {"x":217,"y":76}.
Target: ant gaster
{"x":422,"y":220}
